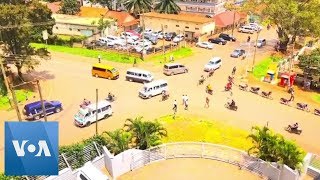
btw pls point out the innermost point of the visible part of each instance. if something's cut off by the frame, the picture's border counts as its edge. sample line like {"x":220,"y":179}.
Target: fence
{"x":314,"y":166}
{"x":74,"y":161}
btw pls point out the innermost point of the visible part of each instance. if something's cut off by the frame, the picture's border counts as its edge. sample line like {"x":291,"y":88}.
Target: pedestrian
{"x":171,"y":57}
{"x":249,"y":38}
{"x":291,"y":95}
{"x":207,"y":102}
{"x":186,"y":103}
{"x":234,"y":71}
{"x":99,"y":58}
{"x":183,"y":99}
{"x":175,"y":106}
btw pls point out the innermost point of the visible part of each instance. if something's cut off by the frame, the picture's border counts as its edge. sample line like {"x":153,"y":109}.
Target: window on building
{"x":79,"y":30}
{"x":70,"y":29}
{"x":177,"y":25}
{"x":196,"y":28}
{"x":187,"y":27}
{"x":57,"y":27}
{"x":165,"y":26}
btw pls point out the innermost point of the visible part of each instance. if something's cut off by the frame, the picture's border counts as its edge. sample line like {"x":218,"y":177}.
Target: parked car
{"x":90,"y":172}
{"x":144,"y":42}
{"x":135,"y":33}
{"x":246,"y":29}
{"x":178,"y":38}
{"x":156,"y":33}
{"x":213,"y":64}
{"x":227,"y":37}
{"x":153,"y":39}
{"x":34,"y":110}
{"x":256,"y":26}
{"x":237,"y":53}
{"x":129,"y":35}
{"x":169,"y":36}
{"x":220,"y":41}
{"x":141,"y":47}
{"x":299,"y":80}
{"x":161,"y":35}
{"x":206,"y":45}
{"x":261,"y":43}
{"x":147,"y":31}
{"x":174,"y":68}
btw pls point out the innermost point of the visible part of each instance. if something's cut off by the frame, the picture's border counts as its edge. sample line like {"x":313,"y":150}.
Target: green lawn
{"x":21,"y":95}
{"x":204,"y":130}
{"x":109,"y":56}
{"x":316,"y":98}
{"x":261,"y":69}
{"x":177,"y":54}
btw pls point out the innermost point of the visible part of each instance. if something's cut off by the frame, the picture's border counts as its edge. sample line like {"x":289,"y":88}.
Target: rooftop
{"x":226,"y":18}
{"x":92,"y":12}
{"x":76,"y":20}
{"x":180,"y":17}
{"x":54,"y":6}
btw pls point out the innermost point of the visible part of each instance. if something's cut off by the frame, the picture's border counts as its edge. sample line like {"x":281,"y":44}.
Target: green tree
{"x":103,"y":25}
{"x":292,"y":17}
{"x":117,"y":140}
{"x":274,"y":148}
{"x":167,"y":7}
{"x":310,"y":63}
{"x":20,"y":19}
{"x":4,"y":177}
{"x":145,"y":134}
{"x":138,"y":6}
{"x":70,"y":7}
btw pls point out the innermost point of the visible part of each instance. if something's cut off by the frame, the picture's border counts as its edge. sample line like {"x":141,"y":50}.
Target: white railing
{"x":198,"y":150}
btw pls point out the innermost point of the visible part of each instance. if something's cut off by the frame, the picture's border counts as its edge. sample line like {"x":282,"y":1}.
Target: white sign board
{"x":45,"y":35}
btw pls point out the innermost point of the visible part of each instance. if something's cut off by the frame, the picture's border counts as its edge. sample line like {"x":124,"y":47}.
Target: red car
{"x":134,"y":33}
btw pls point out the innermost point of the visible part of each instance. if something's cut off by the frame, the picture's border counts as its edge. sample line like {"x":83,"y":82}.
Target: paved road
{"x":69,"y":80}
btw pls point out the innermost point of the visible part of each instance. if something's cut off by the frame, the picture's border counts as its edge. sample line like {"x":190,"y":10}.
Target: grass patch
{"x":261,"y":69}
{"x":177,"y":54}
{"x":316,"y":98}
{"x":203,"y":130}
{"x":21,"y":95}
{"x":108,"y":56}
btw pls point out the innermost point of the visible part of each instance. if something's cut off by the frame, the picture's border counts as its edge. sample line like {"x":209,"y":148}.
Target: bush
{"x":61,"y":40}
{"x":4,"y":177}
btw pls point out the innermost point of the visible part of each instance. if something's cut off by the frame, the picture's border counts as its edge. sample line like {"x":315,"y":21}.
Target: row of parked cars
{"x":250,"y":28}
{"x":136,"y":41}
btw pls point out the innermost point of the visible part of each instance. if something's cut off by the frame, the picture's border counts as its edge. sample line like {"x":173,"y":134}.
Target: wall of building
{"x":70,"y":29}
{"x":177,"y":26}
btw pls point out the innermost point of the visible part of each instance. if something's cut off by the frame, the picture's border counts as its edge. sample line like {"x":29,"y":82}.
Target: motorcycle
{"x":303,"y":107}
{"x":317,"y":112}
{"x":209,"y":91}
{"x":228,"y":87}
{"x":284,"y":101}
{"x":111,"y":98}
{"x":254,"y":90}
{"x":243,"y":87}
{"x":85,"y":103}
{"x":165,"y":96}
{"x":293,"y":130}
{"x":201,"y":81}
{"x":266,"y":94}
{"x":210,"y":73}
{"x":234,"y":108}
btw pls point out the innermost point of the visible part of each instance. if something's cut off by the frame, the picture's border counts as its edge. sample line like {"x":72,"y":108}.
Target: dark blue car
{"x":34,"y":110}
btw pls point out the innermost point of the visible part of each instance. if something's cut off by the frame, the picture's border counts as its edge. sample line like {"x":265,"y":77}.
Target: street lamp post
{"x":255,"y":49}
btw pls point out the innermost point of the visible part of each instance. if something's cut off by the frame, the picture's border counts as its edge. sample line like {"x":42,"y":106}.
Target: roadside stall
{"x":270,"y":76}
{"x":287,"y":79}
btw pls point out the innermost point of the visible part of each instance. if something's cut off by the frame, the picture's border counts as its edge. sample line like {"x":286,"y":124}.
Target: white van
{"x":246,"y":29}
{"x":153,"y":88}
{"x":87,"y":115}
{"x":138,"y":75}
{"x":213,"y":64}
{"x":89,"y":172}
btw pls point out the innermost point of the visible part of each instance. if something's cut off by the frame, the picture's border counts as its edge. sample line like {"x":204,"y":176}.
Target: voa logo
{"x":41,"y":148}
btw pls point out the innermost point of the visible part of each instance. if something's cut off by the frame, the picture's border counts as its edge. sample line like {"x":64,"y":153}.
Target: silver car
{"x":174,"y":68}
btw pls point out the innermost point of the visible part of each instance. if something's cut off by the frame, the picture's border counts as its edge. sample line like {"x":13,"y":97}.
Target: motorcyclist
{"x":202,"y":78}
{"x":209,"y":88}
{"x":86,"y":102}
{"x":110,"y":96}
{"x":232,"y":103}
{"x":294,"y":126}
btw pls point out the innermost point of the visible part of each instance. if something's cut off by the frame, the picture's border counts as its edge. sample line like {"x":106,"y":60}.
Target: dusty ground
{"x":189,"y":169}
{"x":68,"y":78}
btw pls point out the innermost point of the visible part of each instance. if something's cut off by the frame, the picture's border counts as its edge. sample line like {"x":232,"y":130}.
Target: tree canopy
{"x":167,"y":7}
{"x":70,"y":7}
{"x":274,"y":148}
{"x":292,"y":17}
{"x":20,"y":21}
{"x":138,"y":6}
{"x":117,"y":141}
{"x":310,"y":63}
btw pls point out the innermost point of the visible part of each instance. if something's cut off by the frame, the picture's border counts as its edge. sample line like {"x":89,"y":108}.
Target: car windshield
{"x":211,"y":62}
{"x":149,"y":75}
{"x":81,"y":115}
{"x":237,"y":51}
{"x":114,"y":70}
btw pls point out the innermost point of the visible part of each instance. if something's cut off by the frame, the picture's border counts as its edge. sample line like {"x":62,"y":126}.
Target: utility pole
{"x":255,"y":49}
{"x":143,"y":28}
{"x":234,"y":19}
{"x":16,"y":106}
{"x":163,"y":40}
{"x":42,"y":101}
{"x":6,"y":82}
{"x":96,"y":112}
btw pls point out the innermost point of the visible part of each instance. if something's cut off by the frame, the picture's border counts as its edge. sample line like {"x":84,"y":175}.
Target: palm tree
{"x":138,"y":6}
{"x":117,"y":140}
{"x":167,"y":7}
{"x":145,"y":134}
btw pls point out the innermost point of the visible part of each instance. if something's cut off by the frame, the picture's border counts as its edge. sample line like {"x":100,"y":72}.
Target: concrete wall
{"x":70,"y":29}
{"x":288,"y":174}
{"x":177,"y":26}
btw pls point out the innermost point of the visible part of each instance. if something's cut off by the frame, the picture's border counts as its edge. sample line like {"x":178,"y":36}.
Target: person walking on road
{"x":291,"y":95}
{"x":175,"y":106}
{"x":186,"y":104}
{"x":234,"y":71}
{"x":207,"y":102}
{"x":183,"y":99}
{"x":248,"y":39}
